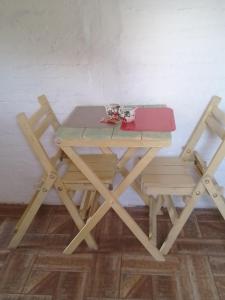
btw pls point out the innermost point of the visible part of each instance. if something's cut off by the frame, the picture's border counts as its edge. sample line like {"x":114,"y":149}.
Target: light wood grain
{"x":177,"y":176}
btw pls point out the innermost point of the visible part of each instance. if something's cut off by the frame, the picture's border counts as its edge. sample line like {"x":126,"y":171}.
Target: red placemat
{"x":151,"y":119}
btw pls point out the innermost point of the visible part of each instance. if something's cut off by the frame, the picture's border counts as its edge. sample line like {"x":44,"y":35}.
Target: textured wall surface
{"x":102,"y":51}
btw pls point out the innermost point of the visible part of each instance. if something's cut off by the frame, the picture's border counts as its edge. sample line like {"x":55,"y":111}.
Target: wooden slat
{"x":34,"y":143}
{"x":169,"y":161}
{"x":168,"y":178}
{"x":171,"y":209}
{"x":99,"y":162}
{"x":219,"y":115}
{"x":199,"y":129}
{"x":200,"y":163}
{"x":44,"y":126}
{"x":38,"y":115}
{"x":44,"y":102}
{"x":126,"y":135}
{"x":66,"y":133}
{"x":104,"y":166}
{"x":97,"y":133}
{"x":107,"y":142}
{"x":151,"y":136}
{"x":166,"y":170}
{"x":215,"y":127}
{"x":167,"y":184}
{"x":171,"y":180}
{"x":75,"y":186}
{"x":78,"y":177}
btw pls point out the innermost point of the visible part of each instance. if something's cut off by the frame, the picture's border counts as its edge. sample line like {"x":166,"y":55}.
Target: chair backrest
{"x":34,"y":128}
{"x":213,"y":118}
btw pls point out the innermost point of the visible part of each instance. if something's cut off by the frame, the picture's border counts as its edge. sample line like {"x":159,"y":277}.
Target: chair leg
{"x":84,"y":205}
{"x":30,"y":213}
{"x":25,"y":211}
{"x":94,"y":205}
{"x":73,"y":211}
{"x":152,"y":220}
{"x":159,"y":204}
{"x":179,"y":224}
{"x":215,"y":194}
{"x":171,"y":209}
{"x":29,"y":204}
{"x":85,"y":230}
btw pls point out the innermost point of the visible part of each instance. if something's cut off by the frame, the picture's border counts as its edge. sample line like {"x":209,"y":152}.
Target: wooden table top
{"x":83,"y":128}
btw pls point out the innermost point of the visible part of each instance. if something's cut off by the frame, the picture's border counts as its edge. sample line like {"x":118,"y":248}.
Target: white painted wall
{"x":102,"y":51}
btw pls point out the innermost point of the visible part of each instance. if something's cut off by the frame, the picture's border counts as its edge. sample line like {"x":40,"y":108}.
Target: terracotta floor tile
{"x":163,"y":228}
{"x":184,"y":279}
{"x":208,"y":215}
{"x":16,"y":271}
{"x":200,"y":247}
{"x":24,"y":297}
{"x":6,"y":231}
{"x":120,"y":269}
{"x":32,"y":241}
{"x":63,"y":263}
{"x":217,"y":265}
{"x":191,"y":229}
{"x":143,"y":223}
{"x":42,"y":283}
{"x":220,"y":284}
{"x":12,"y":210}
{"x":164,"y":287}
{"x":106,"y":277}
{"x":131,"y":245}
{"x":72,"y":286}
{"x":212,"y":230}
{"x":145,"y":264}
{"x":203,"y":280}
{"x":40,"y":224}
{"x":62,"y":224}
{"x":136,"y":286}
{"x":3,"y":257}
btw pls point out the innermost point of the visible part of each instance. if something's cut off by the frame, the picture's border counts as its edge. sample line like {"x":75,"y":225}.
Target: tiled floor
{"x":120,"y":269}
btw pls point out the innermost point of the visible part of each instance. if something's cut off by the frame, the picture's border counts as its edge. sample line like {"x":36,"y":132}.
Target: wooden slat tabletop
{"x":83,"y":128}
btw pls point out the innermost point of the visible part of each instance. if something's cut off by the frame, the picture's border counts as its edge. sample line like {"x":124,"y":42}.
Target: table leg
{"x":31,"y":212}
{"x":73,"y":211}
{"x":124,"y":172}
{"x":111,"y":201}
{"x":126,"y":157}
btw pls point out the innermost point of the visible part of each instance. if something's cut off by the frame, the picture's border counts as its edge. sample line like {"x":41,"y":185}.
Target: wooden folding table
{"x":83,"y":129}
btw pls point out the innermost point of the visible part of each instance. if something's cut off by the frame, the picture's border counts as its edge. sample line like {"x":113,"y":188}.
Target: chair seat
{"x":168,"y":176}
{"x":103,"y":165}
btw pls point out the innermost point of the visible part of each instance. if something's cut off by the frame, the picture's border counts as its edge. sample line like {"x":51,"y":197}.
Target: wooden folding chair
{"x":73,"y":180}
{"x":188,"y":175}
